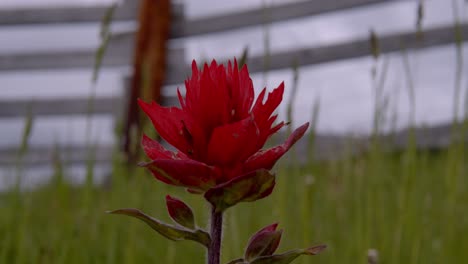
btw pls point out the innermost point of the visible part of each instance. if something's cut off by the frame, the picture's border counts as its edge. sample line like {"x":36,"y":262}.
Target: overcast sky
{"x":344,"y":88}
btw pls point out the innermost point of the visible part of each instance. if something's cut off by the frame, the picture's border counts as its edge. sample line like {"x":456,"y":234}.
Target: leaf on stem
{"x":237,"y":261}
{"x":289,"y":256}
{"x":169,"y":231}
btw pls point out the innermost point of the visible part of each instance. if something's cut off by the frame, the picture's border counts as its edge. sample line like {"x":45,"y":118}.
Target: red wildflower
{"x":218,"y":131}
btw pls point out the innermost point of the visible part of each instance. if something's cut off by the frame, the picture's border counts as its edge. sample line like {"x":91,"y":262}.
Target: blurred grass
{"x":410,"y":206}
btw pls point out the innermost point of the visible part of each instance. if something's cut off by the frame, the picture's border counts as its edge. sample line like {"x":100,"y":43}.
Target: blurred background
{"x":383,"y":82}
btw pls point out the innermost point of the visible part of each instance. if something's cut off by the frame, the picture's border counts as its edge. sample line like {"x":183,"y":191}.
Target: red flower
{"x":218,"y":131}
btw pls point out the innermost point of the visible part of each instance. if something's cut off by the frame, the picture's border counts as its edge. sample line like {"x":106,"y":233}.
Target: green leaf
{"x":244,"y":56}
{"x":28,"y":124}
{"x":169,"y":231}
{"x":104,"y":35}
{"x":289,"y":256}
{"x":237,"y":261}
{"x":247,"y":188}
{"x":374,"y":44}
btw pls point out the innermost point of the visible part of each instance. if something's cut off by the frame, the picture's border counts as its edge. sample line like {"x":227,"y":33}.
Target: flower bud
{"x":263,"y":243}
{"x":180,"y":212}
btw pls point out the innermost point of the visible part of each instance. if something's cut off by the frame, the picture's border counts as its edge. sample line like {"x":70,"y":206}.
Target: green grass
{"x":410,"y":206}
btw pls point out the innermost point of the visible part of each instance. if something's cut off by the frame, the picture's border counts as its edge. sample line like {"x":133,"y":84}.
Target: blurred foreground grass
{"x":412,"y":207}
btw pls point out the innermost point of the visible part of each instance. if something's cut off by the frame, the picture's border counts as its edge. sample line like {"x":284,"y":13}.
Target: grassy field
{"x":412,"y":207}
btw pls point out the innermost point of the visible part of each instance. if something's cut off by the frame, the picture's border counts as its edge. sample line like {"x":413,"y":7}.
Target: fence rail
{"x":263,"y":15}
{"x":182,"y":27}
{"x":58,"y":106}
{"x":119,"y":53}
{"x":42,"y":155}
{"x":67,"y":15}
{"x":67,"y":106}
{"x":326,"y":147}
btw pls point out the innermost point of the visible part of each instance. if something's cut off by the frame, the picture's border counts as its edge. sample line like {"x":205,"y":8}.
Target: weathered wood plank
{"x":65,"y":106}
{"x":326,"y":147}
{"x":56,"y":106}
{"x":61,"y":15}
{"x":333,"y":147}
{"x":43,"y":155}
{"x":357,"y":48}
{"x":181,"y":27}
{"x":436,"y":36}
{"x":259,"y":16}
{"x":119,"y":53}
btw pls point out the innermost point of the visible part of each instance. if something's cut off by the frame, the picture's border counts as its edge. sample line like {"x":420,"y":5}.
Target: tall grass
{"x":409,"y":206}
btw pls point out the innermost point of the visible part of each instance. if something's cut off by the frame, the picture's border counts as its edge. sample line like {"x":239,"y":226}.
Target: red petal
{"x":188,"y":173}
{"x":181,"y":99}
{"x":192,"y":87}
{"x":194,"y":70}
{"x":154,"y":150}
{"x":266,"y":159}
{"x":242,"y":91}
{"x":276,"y":128}
{"x":269,"y":228}
{"x":233,"y":142}
{"x":168,"y":121}
{"x":214,"y":98}
{"x":266,"y":130}
{"x":263,"y":111}
{"x":207,"y":97}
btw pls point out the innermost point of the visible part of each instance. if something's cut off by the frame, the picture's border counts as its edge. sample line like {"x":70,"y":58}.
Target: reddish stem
{"x":214,"y":252}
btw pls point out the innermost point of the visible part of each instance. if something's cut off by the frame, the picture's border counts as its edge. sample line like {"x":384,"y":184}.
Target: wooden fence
{"x":120,"y":48}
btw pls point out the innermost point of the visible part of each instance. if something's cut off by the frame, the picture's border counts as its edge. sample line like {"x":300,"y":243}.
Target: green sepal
{"x":288,"y":256}
{"x":247,"y":188}
{"x":169,"y":231}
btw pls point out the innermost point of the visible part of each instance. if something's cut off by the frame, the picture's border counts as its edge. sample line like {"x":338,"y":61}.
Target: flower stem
{"x":214,"y":251}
